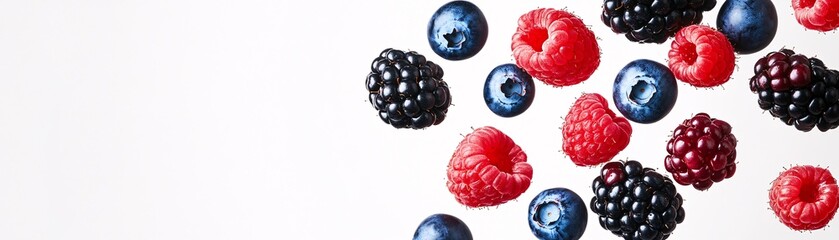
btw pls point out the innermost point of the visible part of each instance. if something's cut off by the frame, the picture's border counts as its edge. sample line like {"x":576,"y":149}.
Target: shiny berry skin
{"x":750,"y":25}
{"x":508,"y":90}
{"x":458,"y":30}
{"x":488,"y":169}
{"x":612,"y":173}
{"x":701,"y":152}
{"x":804,"y":197}
{"x":442,"y":227}
{"x":407,"y":90}
{"x":557,"y":214}
{"x":800,"y":91}
{"x":645,"y":91}
{"x":643,"y":204}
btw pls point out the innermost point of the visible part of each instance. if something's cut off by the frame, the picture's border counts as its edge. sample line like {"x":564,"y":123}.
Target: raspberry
{"x":407,"y":90}
{"x":634,"y":202}
{"x":555,"y":47}
{"x":804,"y":197}
{"x":592,"y":134}
{"x":488,"y":169}
{"x":701,"y":56}
{"x":701,"y":152}
{"x":652,"y":21}
{"x":800,"y":91}
{"x":819,"y":15}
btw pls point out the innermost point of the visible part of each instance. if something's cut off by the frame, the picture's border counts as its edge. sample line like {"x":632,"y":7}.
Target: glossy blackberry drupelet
{"x":801,"y":91}
{"x":634,"y":202}
{"x":407,"y":90}
{"x":652,"y":21}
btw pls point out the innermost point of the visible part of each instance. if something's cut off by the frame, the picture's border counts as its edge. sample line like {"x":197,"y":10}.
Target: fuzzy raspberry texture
{"x":819,"y":15}
{"x":488,"y":169}
{"x":701,"y":56}
{"x":701,"y":152}
{"x":555,"y":47}
{"x":804,"y":197}
{"x":592,"y":134}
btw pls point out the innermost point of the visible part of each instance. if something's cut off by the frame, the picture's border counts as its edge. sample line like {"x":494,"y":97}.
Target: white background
{"x":163,"y":119}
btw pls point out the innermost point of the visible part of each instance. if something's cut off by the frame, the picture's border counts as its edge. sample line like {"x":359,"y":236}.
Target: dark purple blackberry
{"x":800,"y":91}
{"x":634,"y":202}
{"x":652,"y":21}
{"x":407,"y":90}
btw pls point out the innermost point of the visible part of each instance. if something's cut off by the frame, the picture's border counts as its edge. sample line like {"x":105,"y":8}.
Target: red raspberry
{"x":592,"y":134}
{"x":819,"y":15}
{"x":488,"y":169}
{"x":701,"y":56}
{"x":804,"y":197}
{"x":701,"y":152}
{"x":555,"y":47}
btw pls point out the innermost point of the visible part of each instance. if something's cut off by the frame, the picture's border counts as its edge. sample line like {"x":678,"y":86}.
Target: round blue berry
{"x":557,"y":214}
{"x":442,"y":227}
{"x":458,"y":30}
{"x":750,"y":25}
{"x":645,"y":91}
{"x":508,"y":90}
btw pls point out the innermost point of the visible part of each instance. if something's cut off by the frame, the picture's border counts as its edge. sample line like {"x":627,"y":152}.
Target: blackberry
{"x":701,"y":152}
{"x":634,"y":202}
{"x":652,"y":21}
{"x":800,"y":91}
{"x":407,"y":90}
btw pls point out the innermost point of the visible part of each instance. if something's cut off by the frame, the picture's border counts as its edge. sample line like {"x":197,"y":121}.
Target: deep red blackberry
{"x":801,"y":91}
{"x":701,"y":152}
{"x":634,"y":202}
{"x":652,"y":21}
{"x":407,"y":90}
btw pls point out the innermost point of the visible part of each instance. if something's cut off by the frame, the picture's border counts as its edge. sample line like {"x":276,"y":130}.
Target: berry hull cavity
{"x":555,"y":47}
{"x":804,"y":197}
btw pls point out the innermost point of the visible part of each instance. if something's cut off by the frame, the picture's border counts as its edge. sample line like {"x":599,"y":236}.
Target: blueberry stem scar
{"x":455,"y":38}
{"x":641,"y":93}
{"x":513,"y":86}
{"x":547,"y":214}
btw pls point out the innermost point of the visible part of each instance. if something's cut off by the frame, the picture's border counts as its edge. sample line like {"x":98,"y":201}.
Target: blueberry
{"x":508,"y":90}
{"x":442,"y":227}
{"x":557,"y":213}
{"x":645,"y":91}
{"x":458,"y":30}
{"x":750,"y":25}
